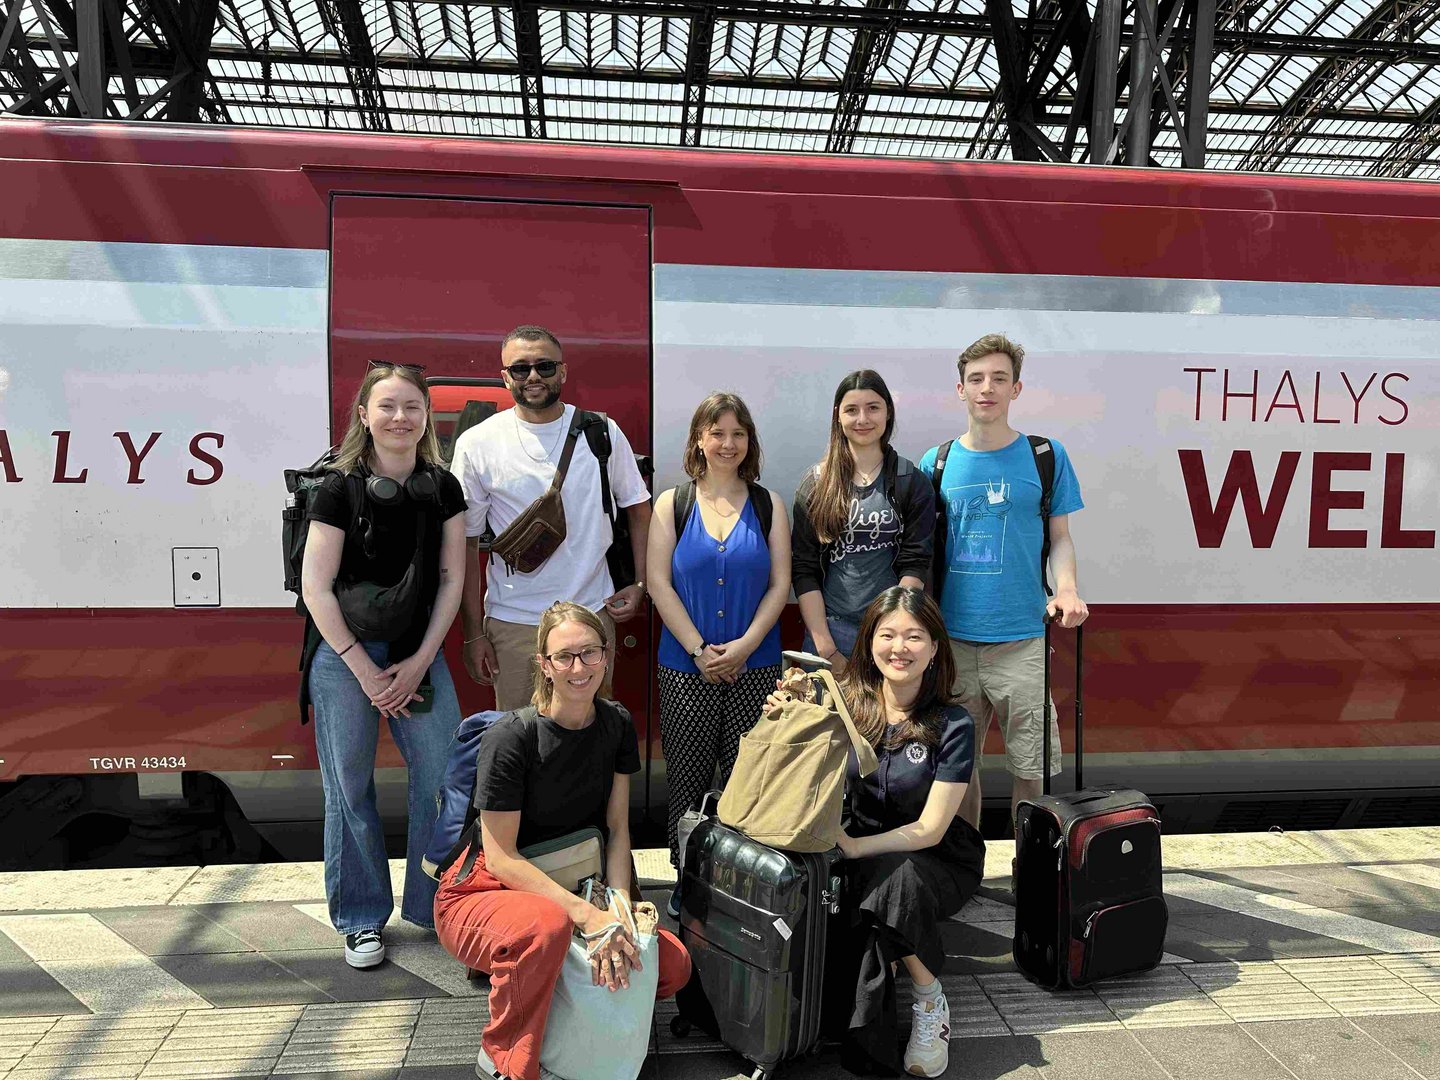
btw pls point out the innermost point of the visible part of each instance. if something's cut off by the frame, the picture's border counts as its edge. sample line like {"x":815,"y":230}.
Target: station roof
{"x":1348,"y":87}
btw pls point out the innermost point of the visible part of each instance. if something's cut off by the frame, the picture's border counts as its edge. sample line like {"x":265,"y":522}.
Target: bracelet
{"x":477,"y":637}
{"x":347,"y":648}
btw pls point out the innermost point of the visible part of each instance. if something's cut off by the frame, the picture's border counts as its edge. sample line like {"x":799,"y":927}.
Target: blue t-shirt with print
{"x":993,"y":590}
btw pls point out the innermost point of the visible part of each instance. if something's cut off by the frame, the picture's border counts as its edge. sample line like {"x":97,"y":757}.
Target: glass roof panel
{"x":1333,"y":86}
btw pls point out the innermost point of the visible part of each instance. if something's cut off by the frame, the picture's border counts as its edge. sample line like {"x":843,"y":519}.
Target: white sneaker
{"x":485,"y":1068}
{"x":364,"y":949}
{"x":928,"y":1051}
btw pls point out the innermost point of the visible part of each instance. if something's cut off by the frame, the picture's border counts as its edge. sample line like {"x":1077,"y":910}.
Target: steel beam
{"x":1012,"y":57}
{"x":697,"y":75}
{"x":346,"y":23}
{"x":1395,"y":20}
{"x":1406,"y":154}
{"x":1108,"y":18}
{"x":90,"y":57}
{"x":1144,"y":52}
{"x":526,"y":15}
{"x":1197,"y":99}
{"x":866,"y":54}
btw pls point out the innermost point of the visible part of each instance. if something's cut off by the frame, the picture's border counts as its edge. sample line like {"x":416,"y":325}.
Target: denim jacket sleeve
{"x":807,"y":572}
{"x":916,"y":499}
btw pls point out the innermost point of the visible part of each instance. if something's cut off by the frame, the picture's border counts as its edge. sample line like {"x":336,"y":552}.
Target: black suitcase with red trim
{"x":1089,"y":897}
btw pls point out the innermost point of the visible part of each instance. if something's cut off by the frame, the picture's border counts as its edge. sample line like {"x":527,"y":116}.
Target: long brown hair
{"x":709,"y":412}
{"x":829,"y":504}
{"x":862,"y":682}
{"x":558,"y":613}
{"x":358,"y":443}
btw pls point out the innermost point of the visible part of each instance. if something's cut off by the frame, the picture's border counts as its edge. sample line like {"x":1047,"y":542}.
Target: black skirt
{"x":892,"y":907}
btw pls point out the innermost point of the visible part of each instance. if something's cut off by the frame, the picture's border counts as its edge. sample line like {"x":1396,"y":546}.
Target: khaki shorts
{"x":1005,"y":680}
{"x":515,"y":653}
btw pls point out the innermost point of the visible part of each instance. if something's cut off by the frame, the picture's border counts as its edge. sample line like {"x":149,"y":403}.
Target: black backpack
{"x":620,"y":558}
{"x":1044,"y":455}
{"x":759,"y":498}
{"x":299,"y":485}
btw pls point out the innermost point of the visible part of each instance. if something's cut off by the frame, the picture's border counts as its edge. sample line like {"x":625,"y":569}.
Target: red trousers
{"x":520,"y":940}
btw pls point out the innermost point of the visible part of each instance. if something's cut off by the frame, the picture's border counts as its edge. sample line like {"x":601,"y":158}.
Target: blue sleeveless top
{"x":721,"y":584}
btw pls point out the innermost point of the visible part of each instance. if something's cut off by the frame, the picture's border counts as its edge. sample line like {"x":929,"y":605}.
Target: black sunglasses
{"x":545,"y":369}
{"x":417,"y":368}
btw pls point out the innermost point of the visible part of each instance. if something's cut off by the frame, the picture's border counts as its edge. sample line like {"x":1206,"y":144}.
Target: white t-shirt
{"x":504,"y":465}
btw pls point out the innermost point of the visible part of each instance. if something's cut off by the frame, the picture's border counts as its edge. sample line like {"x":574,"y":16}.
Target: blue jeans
{"x":347,"y":729}
{"x":842,"y":630}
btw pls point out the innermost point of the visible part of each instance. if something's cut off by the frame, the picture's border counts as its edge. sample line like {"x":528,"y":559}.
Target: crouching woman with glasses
{"x":558,"y":766}
{"x":381,"y":579}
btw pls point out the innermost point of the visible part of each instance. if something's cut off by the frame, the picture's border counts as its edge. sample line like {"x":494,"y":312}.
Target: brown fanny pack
{"x":527,"y":542}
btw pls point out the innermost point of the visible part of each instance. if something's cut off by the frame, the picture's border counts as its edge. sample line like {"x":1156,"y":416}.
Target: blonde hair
{"x":990,"y":344}
{"x":557,"y":614}
{"x":358,"y":443}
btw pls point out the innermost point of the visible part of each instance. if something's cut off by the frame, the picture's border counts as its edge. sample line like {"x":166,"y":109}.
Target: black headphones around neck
{"x":419,"y":486}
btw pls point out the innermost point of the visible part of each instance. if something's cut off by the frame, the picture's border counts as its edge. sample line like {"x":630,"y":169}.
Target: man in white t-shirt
{"x":504,"y":464}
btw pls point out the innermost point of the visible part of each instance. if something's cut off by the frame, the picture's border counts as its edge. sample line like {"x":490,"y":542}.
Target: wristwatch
{"x":695,"y":652}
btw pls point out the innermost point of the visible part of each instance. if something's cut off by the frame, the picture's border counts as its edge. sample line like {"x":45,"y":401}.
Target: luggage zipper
{"x":1090,"y":924}
{"x":1059,"y":854}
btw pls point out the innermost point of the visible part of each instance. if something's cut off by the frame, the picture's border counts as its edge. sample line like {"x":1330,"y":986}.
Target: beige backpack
{"x":789,"y":779}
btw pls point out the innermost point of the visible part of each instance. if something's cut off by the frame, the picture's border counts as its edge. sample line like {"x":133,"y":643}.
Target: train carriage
{"x":1243,"y":368}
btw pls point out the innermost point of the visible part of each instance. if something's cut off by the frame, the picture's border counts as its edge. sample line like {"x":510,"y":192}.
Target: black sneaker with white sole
{"x":364,"y":949}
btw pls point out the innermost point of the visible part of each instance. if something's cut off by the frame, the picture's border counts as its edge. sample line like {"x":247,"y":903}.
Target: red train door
{"x":439,"y":281}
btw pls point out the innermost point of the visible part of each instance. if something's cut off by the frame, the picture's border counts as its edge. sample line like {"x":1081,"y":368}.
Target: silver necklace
{"x":519,"y":437}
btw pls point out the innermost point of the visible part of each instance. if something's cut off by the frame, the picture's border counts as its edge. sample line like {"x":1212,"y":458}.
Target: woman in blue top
{"x":910,"y":860}
{"x":719,"y":583}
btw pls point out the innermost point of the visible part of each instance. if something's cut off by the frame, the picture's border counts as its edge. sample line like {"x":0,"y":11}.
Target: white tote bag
{"x":592,"y":1033}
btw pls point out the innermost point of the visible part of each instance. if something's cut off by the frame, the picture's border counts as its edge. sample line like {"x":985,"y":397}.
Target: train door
{"x":439,"y":281}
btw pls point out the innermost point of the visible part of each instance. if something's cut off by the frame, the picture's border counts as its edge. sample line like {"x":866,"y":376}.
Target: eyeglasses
{"x":417,"y":368}
{"x":545,"y":369}
{"x":590,"y":656}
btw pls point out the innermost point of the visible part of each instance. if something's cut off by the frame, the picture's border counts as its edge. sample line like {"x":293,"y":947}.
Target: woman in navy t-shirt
{"x":910,"y":861}
{"x":719,"y":581}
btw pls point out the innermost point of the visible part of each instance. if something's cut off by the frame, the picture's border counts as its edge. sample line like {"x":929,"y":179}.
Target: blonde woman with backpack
{"x":383,"y":568}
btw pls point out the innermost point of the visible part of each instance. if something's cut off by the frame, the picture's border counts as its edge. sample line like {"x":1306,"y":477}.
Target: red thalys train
{"x":1243,"y":368}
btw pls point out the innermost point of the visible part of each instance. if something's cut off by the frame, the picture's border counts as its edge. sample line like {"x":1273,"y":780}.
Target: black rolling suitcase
{"x":1089,"y":898}
{"x":754,"y":920}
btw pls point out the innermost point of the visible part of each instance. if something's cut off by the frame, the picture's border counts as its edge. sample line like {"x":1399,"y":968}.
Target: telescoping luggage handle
{"x":1079,"y":709}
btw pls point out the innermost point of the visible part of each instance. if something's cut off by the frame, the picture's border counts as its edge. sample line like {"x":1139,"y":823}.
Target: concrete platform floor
{"x":1307,"y":955}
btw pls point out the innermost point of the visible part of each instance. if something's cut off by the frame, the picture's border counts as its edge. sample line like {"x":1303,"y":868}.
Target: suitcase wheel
{"x":761,"y":1073}
{"x":680,"y":1027}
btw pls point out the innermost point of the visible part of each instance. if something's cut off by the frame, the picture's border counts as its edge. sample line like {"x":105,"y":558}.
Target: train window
{"x":458,"y":404}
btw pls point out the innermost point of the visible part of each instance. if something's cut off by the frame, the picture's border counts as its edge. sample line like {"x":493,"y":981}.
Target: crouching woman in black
{"x":910,"y":862}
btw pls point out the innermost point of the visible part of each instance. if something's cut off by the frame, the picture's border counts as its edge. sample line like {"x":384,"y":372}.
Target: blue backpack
{"x":457,"y":823}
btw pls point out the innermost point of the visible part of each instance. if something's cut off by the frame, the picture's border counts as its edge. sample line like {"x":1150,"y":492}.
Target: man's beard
{"x":552,"y":395}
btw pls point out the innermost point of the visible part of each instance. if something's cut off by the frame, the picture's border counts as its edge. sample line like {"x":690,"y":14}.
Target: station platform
{"x":1307,"y":956}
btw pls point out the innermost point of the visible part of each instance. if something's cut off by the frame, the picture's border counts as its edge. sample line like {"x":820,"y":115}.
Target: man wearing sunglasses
{"x":504,"y":464}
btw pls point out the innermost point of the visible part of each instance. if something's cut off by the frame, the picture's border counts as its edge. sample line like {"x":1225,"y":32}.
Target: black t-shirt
{"x":393,"y":536}
{"x":894,"y":795}
{"x":559,"y":779}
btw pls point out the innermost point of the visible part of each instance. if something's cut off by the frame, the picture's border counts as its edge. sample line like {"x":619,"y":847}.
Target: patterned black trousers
{"x":700,"y":728}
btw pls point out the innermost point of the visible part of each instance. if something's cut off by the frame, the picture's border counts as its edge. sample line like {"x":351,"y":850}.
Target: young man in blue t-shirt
{"x":993,"y":595}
